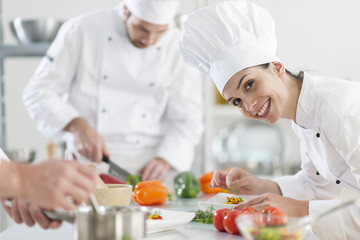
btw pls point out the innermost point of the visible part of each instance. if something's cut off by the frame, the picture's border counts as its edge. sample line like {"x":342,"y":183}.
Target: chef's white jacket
{"x":135,"y":98}
{"x":3,"y":156}
{"x":328,"y":125}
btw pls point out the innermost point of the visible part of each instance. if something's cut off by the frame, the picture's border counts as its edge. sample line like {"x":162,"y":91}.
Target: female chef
{"x":234,"y":43}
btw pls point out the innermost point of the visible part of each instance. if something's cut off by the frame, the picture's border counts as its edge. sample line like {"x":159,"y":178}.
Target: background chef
{"x":113,"y":83}
{"x":324,"y":111}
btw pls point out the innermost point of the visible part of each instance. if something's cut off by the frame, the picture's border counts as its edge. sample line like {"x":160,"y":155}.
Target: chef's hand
{"x":155,"y":169}
{"x":50,"y":184}
{"x":292,"y":207}
{"x":87,"y":141}
{"x":24,"y":212}
{"x":238,"y":181}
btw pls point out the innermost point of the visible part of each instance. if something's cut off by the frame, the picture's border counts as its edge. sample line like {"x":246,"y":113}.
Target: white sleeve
{"x":185,"y":119}
{"x":342,"y":224}
{"x":44,"y":96}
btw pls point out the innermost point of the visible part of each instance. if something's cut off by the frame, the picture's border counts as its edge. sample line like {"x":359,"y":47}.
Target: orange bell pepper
{"x":205,"y":181}
{"x":150,"y":193}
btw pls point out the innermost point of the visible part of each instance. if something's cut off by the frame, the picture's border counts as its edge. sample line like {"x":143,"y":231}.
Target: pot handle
{"x":60,"y":215}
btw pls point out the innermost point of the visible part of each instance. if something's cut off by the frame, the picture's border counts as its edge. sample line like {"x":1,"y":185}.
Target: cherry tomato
{"x":229,"y":222}
{"x":218,"y":218}
{"x":249,"y":210}
{"x":277,"y":218}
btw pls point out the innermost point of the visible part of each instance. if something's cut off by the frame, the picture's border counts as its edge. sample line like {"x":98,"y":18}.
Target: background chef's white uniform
{"x":3,"y":156}
{"x":328,"y":125}
{"x":144,"y":102}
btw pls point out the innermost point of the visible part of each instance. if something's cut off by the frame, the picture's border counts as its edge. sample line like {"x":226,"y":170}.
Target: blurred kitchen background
{"x":320,"y":36}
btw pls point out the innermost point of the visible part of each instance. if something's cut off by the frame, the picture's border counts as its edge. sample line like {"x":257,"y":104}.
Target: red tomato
{"x":249,"y":210}
{"x":218,"y":218}
{"x":229,"y":222}
{"x":257,"y":218}
{"x":269,"y":209}
{"x":277,"y":218}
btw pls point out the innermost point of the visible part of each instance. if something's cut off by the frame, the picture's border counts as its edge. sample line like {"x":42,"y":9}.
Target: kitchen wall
{"x":322,"y":36}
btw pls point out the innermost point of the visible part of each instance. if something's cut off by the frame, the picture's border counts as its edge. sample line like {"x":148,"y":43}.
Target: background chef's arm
{"x":185,"y":118}
{"x":44,"y":95}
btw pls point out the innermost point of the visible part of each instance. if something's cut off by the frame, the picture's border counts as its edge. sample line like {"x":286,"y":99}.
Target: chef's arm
{"x":10,"y":185}
{"x":184,"y":114}
{"x":87,"y":140}
{"x":45,"y":94}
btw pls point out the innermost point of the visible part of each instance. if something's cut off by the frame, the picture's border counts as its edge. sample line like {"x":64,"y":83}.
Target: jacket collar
{"x":308,"y":103}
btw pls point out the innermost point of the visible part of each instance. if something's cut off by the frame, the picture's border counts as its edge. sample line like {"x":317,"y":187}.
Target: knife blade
{"x":115,"y":170}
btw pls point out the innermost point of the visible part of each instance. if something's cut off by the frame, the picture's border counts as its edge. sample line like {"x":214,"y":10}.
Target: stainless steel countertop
{"x":192,"y":230}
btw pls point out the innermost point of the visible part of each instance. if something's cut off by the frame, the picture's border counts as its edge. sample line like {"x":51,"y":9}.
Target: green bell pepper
{"x":133,"y":180}
{"x":186,"y":185}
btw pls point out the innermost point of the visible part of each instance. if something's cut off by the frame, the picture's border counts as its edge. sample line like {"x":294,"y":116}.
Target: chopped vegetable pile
{"x":154,"y":216}
{"x":204,"y":216}
{"x":233,"y":200}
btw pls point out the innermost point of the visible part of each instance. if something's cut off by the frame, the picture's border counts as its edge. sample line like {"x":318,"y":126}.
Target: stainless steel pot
{"x":114,"y":223}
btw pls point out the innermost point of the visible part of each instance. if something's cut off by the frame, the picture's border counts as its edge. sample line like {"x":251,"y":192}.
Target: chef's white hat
{"x":159,"y":12}
{"x":225,"y":38}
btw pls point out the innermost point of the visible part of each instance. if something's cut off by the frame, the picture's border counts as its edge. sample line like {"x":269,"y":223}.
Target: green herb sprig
{"x":206,"y":216}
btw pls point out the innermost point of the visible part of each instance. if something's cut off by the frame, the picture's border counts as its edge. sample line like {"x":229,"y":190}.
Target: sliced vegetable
{"x":233,"y":200}
{"x":186,"y":185}
{"x":150,"y":193}
{"x":108,"y":179}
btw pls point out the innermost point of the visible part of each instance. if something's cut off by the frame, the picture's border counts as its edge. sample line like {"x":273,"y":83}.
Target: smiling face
{"x":142,"y":34}
{"x":261,"y":93}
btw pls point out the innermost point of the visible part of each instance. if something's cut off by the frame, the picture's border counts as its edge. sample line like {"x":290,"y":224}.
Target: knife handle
{"x":105,"y":159}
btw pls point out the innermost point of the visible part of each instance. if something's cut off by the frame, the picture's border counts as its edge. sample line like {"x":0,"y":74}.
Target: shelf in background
{"x":33,"y":50}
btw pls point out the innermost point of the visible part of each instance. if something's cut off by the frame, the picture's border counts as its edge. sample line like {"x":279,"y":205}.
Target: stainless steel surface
{"x":115,"y":223}
{"x":28,"y":31}
{"x":33,"y":50}
{"x":23,"y":155}
{"x":115,"y":170}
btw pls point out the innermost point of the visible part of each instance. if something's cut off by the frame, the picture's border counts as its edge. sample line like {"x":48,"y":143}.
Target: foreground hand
{"x":156,"y":169}
{"x":87,"y":141}
{"x":23,"y":212}
{"x":238,"y":181}
{"x":49,"y":184}
{"x":292,"y":207}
